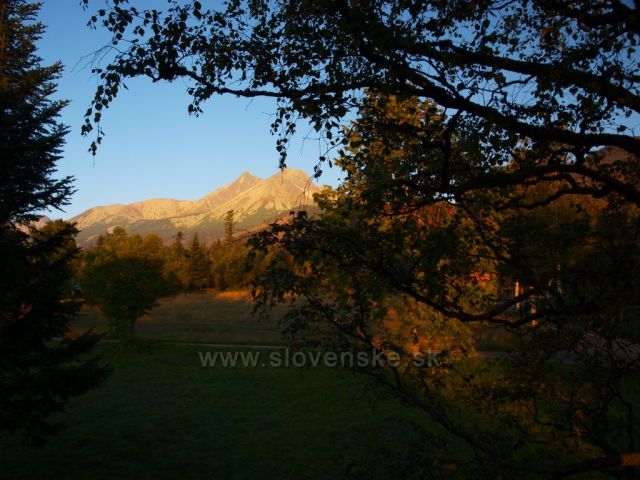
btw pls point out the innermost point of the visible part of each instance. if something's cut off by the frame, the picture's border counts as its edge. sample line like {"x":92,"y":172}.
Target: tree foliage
{"x":124,"y":289}
{"x":448,"y":268}
{"x":229,"y":226}
{"x":231,"y":265}
{"x":124,"y":276}
{"x":176,"y":264}
{"x":494,"y":145}
{"x":199,"y":270}
{"x":42,"y":368}
{"x":558,"y":78}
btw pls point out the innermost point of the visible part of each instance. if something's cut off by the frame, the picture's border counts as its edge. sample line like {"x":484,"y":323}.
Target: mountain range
{"x":254,"y":202}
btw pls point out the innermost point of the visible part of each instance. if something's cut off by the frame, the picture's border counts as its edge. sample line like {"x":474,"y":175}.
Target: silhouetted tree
{"x":124,"y":275}
{"x":554,"y":76}
{"x":124,"y":288}
{"x":526,"y":93}
{"x":229,"y":226}
{"x":177,"y":247}
{"x":153,"y":247}
{"x":198,"y":265}
{"x":40,"y":366}
{"x":177,"y":264}
{"x":380,"y":245}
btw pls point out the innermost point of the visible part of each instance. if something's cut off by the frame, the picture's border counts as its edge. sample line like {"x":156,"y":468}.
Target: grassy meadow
{"x":226,"y":317}
{"x":206,"y":316}
{"x":162,"y":415}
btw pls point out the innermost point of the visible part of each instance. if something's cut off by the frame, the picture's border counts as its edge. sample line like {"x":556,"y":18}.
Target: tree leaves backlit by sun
{"x":492,"y":181}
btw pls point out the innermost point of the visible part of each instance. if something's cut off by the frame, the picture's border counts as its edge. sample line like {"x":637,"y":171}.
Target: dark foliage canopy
{"x":552,"y":76}
{"x":495,"y":142}
{"x":40,"y":372}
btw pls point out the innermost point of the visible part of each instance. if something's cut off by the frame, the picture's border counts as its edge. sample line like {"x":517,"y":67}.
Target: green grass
{"x":206,"y":317}
{"x":161,"y":415}
{"x":227,"y":318}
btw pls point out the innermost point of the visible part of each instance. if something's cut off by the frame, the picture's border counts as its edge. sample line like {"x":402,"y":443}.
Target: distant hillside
{"x":39,"y":223}
{"x":253,"y":200}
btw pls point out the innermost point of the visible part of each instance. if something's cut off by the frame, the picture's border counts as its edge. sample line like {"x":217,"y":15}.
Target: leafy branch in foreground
{"x":512,"y":201}
{"x":562,"y":401}
{"x":559,"y":78}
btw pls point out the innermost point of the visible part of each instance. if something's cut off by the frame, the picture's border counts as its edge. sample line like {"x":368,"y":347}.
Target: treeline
{"x":124,"y":275}
{"x":181,"y":266}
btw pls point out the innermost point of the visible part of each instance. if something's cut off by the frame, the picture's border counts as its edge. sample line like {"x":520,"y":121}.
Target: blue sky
{"x":152,"y":147}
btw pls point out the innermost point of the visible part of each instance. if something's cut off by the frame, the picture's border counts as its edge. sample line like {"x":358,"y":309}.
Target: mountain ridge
{"x":254,"y":201}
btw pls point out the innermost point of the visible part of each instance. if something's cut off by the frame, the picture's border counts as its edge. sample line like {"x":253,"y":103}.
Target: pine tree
{"x":176,"y":265}
{"x":177,"y":248}
{"x":198,"y":270}
{"x":215,"y":256}
{"x":229,"y":225}
{"x":39,"y":374}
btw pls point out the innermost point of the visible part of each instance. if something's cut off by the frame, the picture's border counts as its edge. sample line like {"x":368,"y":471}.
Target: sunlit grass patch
{"x":207,"y":316}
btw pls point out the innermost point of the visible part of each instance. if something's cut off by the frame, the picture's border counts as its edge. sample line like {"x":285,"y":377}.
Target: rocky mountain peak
{"x":252,"y":199}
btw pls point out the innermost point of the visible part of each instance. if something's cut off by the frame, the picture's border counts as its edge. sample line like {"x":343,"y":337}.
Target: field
{"x":227,"y":318}
{"x":207,"y":317}
{"x":161,"y":415}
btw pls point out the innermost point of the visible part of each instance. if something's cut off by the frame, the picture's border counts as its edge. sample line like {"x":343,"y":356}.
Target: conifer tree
{"x":198,"y":266}
{"x":229,"y":225}
{"x":176,"y":266}
{"x":39,"y":373}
